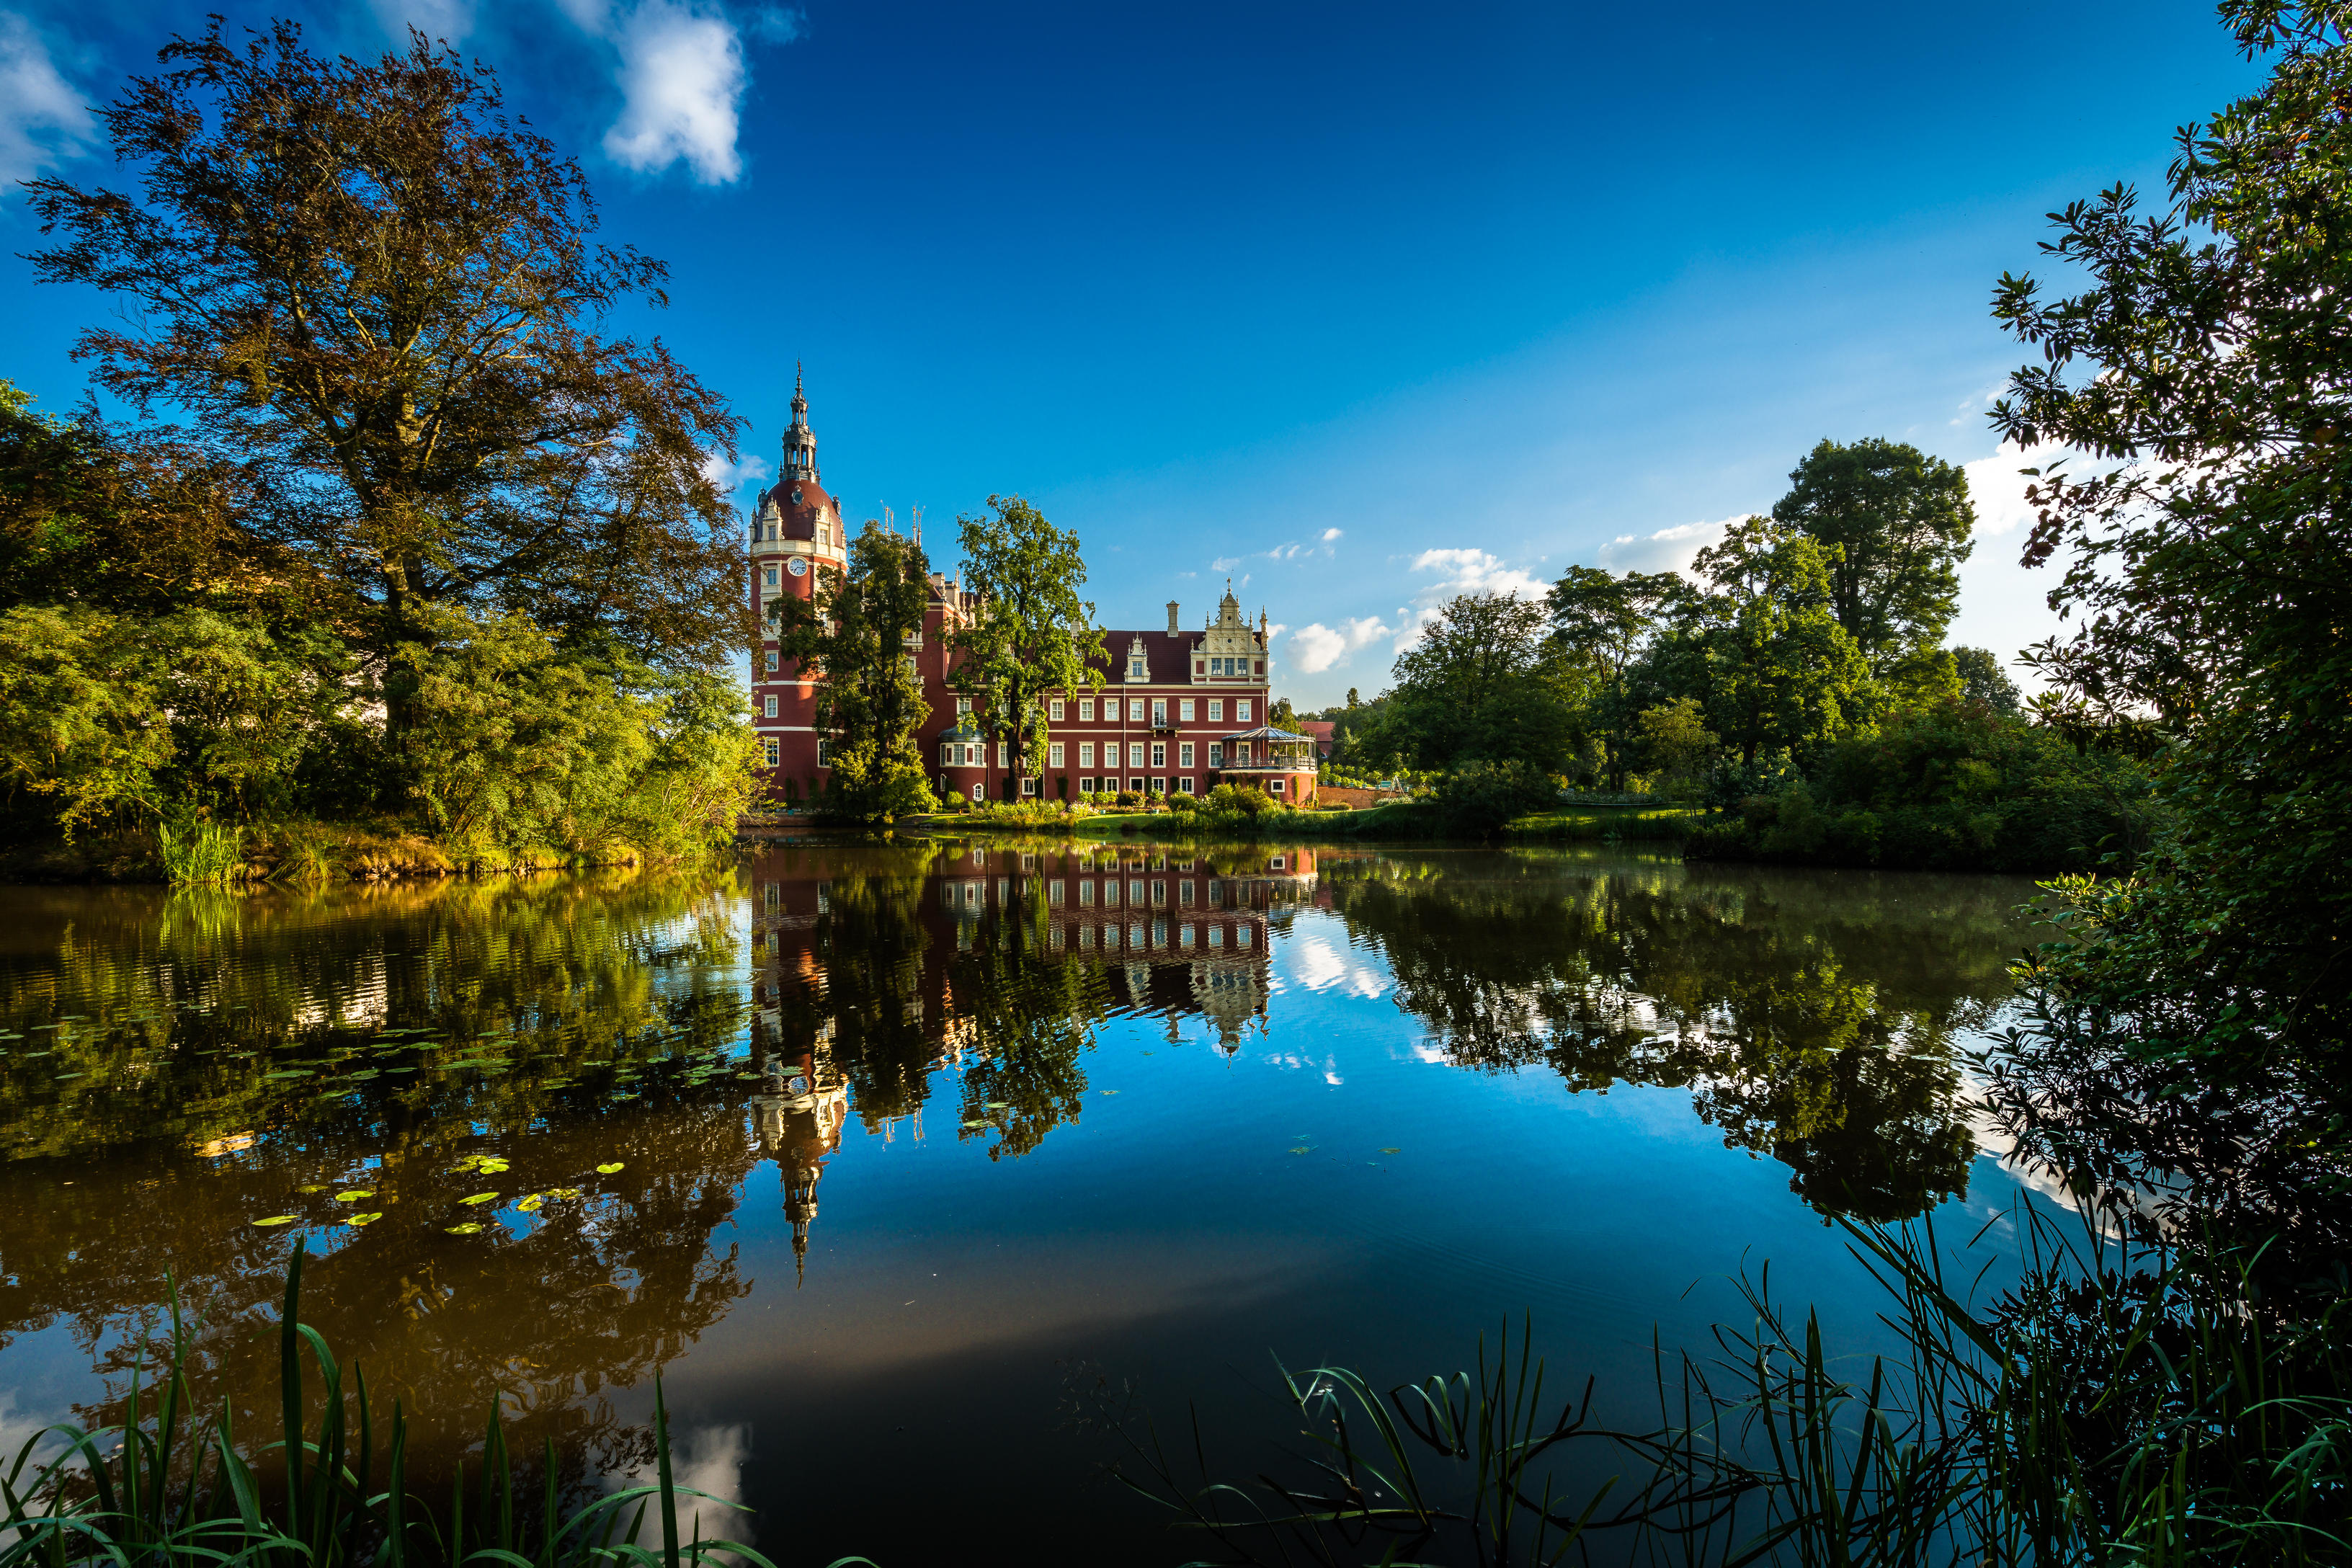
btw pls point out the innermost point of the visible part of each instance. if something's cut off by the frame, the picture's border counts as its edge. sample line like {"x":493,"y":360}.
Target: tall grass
{"x":199,"y":852}
{"x":150,"y":1492}
{"x":2122,"y":1406}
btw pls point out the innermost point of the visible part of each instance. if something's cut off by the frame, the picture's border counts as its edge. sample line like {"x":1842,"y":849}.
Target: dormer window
{"x":1135,"y":669}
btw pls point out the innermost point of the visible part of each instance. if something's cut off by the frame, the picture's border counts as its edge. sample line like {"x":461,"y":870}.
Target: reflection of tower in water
{"x":797,"y":1115}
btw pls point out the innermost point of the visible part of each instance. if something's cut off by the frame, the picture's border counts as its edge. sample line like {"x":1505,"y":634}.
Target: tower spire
{"x":800,"y":442}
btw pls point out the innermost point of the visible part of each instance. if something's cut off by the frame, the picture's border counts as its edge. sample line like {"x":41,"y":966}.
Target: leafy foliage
{"x":855,"y":630}
{"x":1031,"y":636}
{"x":373,"y":291}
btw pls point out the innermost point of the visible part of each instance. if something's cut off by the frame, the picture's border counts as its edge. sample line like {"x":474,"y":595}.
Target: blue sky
{"x":1357,"y":305}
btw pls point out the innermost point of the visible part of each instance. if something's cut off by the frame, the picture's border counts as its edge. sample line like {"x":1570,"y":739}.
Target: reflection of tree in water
{"x":1812,"y":1018}
{"x":1025,"y":1017}
{"x":556,"y":1025}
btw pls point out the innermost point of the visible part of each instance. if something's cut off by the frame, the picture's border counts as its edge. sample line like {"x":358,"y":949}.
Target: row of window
{"x":1056,"y":710}
{"x":773,"y":751}
{"x":1185,"y":785}
{"x":974,"y":753}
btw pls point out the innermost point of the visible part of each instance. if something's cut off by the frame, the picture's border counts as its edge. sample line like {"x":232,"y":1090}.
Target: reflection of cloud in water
{"x":980,"y":1304}
{"x":710,"y":1459}
{"x":1317,"y":965}
{"x":18,"y":1424}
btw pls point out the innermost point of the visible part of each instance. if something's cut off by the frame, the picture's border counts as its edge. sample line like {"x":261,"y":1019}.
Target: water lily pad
{"x":608,"y":1170}
{"x":468,"y":1229}
{"x":364,"y":1218}
{"x":1391,"y":1151}
{"x":528,"y":1203}
{"x":278,"y":1219}
{"x":354,"y":1195}
{"x":481,"y":1198}
{"x":312,"y":1188}
{"x":290,"y":1073}
{"x":1302,"y":1150}
{"x":1000,"y":1105}
{"x":1110,"y":1091}
{"x":975,"y":1126}
{"x":570,"y":1195}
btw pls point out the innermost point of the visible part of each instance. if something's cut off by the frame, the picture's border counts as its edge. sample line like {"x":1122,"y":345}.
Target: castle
{"x":1177,"y":713}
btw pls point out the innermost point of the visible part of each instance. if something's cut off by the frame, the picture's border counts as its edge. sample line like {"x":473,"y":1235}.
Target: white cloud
{"x":1998,"y":489}
{"x":1330,"y":535}
{"x":682,"y":77}
{"x":1668,"y":550}
{"x":1224,"y":563}
{"x":43,"y":120}
{"x":440,"y":20}
{"x":731,"y":477}
{"x":1319,"y":647}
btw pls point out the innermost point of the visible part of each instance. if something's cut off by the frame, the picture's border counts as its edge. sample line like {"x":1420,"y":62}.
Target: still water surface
{"x":890,"y":1159}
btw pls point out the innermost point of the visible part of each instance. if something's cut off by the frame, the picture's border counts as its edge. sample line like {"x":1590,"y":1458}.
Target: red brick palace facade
{"x":1178,"y":712}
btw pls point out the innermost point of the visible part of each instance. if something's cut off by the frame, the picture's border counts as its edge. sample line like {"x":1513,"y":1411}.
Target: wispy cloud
{"x":440,"y":20}
{"x":43,"y":120}
{"x":729,"y":478}
{"x":1330,"y":535}
{"x":1224,"y":563}
{"x":1668,"y":549}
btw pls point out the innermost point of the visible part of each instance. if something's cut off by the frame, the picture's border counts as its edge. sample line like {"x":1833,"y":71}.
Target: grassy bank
{"x":290,"y":852}
{"x":1398,"y":820}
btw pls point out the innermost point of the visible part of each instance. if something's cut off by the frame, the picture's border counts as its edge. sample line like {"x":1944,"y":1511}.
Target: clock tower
{"x":796,"y":537}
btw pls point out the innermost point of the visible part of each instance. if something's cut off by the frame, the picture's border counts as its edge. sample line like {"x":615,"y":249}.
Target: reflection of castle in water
{"x":1174,"y":934}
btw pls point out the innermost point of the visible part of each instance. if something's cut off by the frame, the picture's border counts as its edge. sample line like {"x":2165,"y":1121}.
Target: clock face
{"x":796,"y":495}
{"x":797,"y":567}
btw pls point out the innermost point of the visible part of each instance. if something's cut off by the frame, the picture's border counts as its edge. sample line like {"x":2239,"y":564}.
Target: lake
{"x":903,"y":1165}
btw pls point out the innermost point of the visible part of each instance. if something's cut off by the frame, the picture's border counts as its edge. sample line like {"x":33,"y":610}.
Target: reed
{"x":199,"y":852}
{"x":2122,"y":1406}
{"x":165,"y":1491}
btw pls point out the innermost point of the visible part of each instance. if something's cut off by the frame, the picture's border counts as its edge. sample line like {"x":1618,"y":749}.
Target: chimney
{"x":1173,"y":628}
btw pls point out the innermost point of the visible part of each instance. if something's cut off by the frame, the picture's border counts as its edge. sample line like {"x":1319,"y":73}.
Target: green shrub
{"x":1480,"y":796}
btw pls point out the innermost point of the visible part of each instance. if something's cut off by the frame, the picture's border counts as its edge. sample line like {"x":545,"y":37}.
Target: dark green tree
{"x":1982,"y":679}
{"x":1484,"y":681}
{"x":1781,"y":673}
{"x":856,"y":628}
{"x":1604,"y":622}
{"x":2207,"y":370}
{"x":1900,"y":521}
{"x":1031,"y":636}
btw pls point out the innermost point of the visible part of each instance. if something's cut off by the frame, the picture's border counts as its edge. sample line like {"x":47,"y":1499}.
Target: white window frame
{"x":1185,"y":710}
{"x":1054,"y":754}
{"x":1159,"y":754}
{"x":768,"y":706}
{"x":774,"y":750}
{"x":1242,"y":711}
{"x":1274,"y":786}
{"x":1183,"y":753}
{"x":1086,"y":786}
{"x":964,"y":705}
{"x":1158,"y":711}
{"x":1135,"y":754}
{"x":1053,"y":710}
{"x":1216,"y":754}
{"x":1085,"y":710}
{"x":1134,"y":709}
{"x":775,"y":661}
{"x":979,"y":793}
{"x":1216,"y":710}
{"x":1085,"y":753}
{"x":1184,"y":786}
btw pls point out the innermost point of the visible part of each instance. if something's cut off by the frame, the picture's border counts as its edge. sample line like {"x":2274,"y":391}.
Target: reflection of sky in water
{"x":1350,"y":1145}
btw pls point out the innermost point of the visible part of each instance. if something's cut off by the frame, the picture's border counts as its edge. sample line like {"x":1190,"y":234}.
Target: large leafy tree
{"x":2207,"y":370}
{"x":1604,"y":622}
{"x":855,"y":631}
{"x":376,"y":297}
{"x":1486,"y":680}
{"x":1899,"y":522}
{"x":1781,"y":672}
{"x":1031,"y":638}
